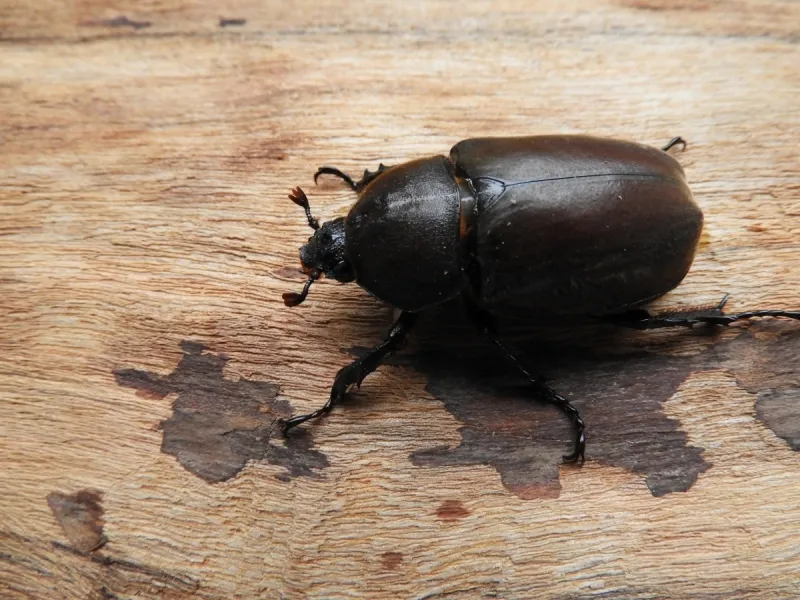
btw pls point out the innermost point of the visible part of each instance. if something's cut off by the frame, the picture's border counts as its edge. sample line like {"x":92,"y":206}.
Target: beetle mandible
{"x":559,"y":225}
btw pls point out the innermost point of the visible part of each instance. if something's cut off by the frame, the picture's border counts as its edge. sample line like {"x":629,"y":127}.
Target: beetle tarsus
{"x":337,"y":173}
{"x":356,"y":186}
{"x":566,"y":407}
{"x":354,"y":373}
{"x":674,"y":142}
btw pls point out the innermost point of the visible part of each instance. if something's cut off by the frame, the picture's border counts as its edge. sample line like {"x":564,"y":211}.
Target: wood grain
{"x":146,"y":150}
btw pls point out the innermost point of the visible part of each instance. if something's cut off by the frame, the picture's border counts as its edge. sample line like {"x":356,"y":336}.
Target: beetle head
{"x":324,"y":254}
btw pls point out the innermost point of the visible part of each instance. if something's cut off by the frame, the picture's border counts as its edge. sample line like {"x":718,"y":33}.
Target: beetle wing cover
{"x":577,"y":225}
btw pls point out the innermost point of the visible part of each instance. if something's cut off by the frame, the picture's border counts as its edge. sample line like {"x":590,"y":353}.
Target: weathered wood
{"x":146,"y":150}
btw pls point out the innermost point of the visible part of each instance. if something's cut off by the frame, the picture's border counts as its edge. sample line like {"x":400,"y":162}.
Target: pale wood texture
{"x":144,"y":166}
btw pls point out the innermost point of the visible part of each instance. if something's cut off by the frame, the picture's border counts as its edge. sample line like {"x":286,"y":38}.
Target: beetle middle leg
{"x":485,"y":324}
{"x":356,"y":186}
{"x":355,"y":372}
{"x":643,"y":319}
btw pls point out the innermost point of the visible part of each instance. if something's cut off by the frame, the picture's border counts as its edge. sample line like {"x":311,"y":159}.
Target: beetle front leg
{"x":356,"y":186}
{"x":485,"y":325}
{"x":355,"y":372}
{"x":643,"y":319}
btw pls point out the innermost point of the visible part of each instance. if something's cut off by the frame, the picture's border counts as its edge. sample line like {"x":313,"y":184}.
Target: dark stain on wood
{"x":81,"y":517}
{"x":232,"y":22}
{"x":391,"y":560}
{"x":452,"y":510}
{"x":121,"y":21}
{"x":290,"y":273}
{"x":620,"y":396}
{"x":254,"y":151}
{"x":780,"y":411}
{"x":765,"y":360}
{"x":218,"y":424}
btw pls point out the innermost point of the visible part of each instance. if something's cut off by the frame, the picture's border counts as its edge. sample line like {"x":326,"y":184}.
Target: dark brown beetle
{"x":556,"y":225}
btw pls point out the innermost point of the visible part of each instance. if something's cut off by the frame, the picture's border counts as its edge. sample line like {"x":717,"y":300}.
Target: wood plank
{"x":146,"y":239}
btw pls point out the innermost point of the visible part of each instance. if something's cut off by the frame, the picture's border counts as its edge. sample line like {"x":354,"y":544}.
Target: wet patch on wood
{"x":620,"y":400}
{"x":219,"y":424}
{"x":780,"y":411}
{"x":767,"y":364}
{"x":81,"y":517}
{"x":620,"y":397}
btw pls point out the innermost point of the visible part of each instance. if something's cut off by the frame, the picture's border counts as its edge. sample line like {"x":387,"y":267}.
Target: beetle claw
{"x":674,"y":142}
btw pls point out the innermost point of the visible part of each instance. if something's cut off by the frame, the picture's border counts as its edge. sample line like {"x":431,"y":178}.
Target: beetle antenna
{"x":299,"y":197}
{"x":293,"y":298}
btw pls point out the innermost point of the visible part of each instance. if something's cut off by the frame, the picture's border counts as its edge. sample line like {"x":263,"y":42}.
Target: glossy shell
{"x":575,"y":224}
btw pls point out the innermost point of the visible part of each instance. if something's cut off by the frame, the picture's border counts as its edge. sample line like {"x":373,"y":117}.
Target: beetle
{"x":557,"y":225}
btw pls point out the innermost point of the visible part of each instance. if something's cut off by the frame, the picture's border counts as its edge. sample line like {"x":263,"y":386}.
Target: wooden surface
{"x":146,"y":150}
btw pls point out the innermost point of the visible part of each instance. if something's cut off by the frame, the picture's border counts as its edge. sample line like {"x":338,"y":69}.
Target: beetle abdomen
{"x":577,"y":225}
{"x":403,"y":235}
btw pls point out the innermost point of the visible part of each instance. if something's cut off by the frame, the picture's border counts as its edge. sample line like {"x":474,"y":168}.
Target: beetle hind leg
{"x":643,"y":319}
{"x":355,"y":372}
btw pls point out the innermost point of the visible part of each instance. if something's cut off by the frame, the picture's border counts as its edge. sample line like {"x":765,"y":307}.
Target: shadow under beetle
{"x":556,"y":225}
